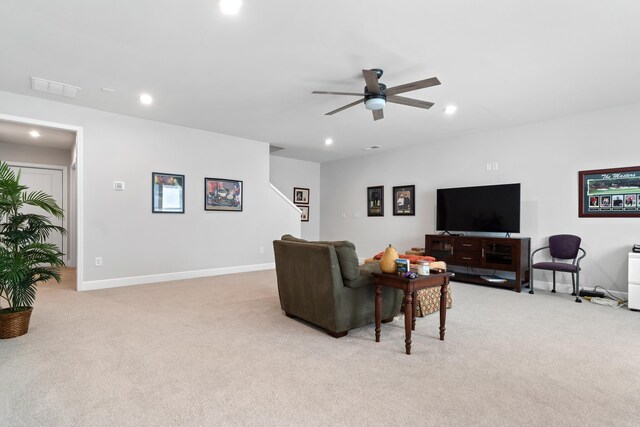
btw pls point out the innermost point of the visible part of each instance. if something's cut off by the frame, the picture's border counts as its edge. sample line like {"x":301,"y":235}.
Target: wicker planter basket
{"x":14,"y":324}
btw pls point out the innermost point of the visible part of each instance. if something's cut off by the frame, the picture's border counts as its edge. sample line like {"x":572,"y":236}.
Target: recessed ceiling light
{"x":230,"y":7}
{"x":34,"y":134}
{"x":146,"y":99}
{"x":450,"y":109}
{"x":328,"y":141}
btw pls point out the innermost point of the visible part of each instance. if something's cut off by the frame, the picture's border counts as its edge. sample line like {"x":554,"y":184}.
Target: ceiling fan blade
{"x":409,"y":101}
{"x":377,"y":114}
{"x":345,"y":107}
{"x":420,"y":84}
{"x":371,"y":79}
{"x":322,"y":92}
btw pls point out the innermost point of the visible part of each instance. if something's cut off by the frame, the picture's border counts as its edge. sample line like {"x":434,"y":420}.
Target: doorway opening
{"x":48,"y":157}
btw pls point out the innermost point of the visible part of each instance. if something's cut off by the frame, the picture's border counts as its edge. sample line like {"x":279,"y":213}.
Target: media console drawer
{"x":467,"y":258}
{"x":467,"y":245}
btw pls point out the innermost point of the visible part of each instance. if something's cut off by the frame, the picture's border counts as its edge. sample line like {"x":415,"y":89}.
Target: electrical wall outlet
{"x":98,"y":261}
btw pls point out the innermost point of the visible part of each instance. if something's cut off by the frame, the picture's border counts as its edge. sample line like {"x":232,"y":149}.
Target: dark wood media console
{"x":489,"y":253}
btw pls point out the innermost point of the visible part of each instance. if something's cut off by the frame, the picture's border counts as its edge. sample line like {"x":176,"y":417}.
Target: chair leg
{"x":554,"y":283}
{"x":573,"y":284}
{"x":531,"y":282}
{"x":577,"y":285}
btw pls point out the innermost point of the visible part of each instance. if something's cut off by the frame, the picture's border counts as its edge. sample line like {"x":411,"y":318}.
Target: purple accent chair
{"x":562,"y":248}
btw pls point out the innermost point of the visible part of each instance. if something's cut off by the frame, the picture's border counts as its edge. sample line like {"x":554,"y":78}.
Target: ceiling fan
{"x":376,"y":94}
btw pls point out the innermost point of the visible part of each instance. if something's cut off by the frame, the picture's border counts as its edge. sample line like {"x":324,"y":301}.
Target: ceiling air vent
{"x":373,"y":147}
{"x":54,"y":88}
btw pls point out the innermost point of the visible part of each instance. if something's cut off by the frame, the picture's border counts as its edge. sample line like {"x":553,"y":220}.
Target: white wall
{"x":545,"y":157}
{"x":34,"y":154}
{"x":138,"y":246}
{"x":289,"y":173}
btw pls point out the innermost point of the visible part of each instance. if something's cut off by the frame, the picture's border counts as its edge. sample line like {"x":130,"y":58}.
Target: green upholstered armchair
{"x":322,"y":283}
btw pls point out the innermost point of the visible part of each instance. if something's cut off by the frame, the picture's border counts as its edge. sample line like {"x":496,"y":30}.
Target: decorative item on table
{"x":415,"y":251}
{"x":423,"y":268}
{"x":388,"y":260}
{"x":403,"y":266}
{"x":436,"y":267}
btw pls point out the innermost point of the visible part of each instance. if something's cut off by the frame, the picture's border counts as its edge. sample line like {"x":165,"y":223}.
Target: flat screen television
{"x":488,"y":208}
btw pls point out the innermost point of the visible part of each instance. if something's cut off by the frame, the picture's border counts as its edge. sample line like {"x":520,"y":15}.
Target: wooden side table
{"x":409,"y":287}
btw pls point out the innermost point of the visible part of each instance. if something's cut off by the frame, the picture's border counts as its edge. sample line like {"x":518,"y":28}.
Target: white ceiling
{"x":502,"y":62}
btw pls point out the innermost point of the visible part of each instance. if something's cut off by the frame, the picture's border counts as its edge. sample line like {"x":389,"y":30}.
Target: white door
{"x":51,"y":182}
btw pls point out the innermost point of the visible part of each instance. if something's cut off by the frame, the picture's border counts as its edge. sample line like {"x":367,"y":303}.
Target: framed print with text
{"x":167,"y":193}
{"x":609,"y":192}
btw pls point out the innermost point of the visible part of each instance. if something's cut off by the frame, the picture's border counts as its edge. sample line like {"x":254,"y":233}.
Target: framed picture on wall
{"x":375,"y":201}
{"x":301,"y":196}
{"x":304,"y":215}
{"x":609,"y":192}
{"x":167,"y":193}
{"x":404,"y":200}
{"x":222,"y":195}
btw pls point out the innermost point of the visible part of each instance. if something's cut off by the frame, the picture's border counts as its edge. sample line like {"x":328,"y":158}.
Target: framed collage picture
{"x":609,"y":192}
{"x":375,"y":201}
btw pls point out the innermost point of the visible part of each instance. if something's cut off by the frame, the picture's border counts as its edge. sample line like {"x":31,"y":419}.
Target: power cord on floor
{"x":620,"y":300}
{"x":611,"y":300}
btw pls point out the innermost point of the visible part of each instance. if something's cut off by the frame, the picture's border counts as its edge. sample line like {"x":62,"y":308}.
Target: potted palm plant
{"x":25,"y":256}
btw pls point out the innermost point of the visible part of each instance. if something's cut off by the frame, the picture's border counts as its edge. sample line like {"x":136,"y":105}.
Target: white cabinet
{"x":634,"y":281}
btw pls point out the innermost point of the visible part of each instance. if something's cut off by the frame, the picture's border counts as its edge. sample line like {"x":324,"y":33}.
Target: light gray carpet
{"x":218,"y":351}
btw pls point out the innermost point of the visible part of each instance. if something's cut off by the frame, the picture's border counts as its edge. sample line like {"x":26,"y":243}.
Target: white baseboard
{"x":181,"y":275}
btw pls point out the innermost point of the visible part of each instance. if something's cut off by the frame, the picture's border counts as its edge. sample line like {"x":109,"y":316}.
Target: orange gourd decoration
{"x":388,"y":260}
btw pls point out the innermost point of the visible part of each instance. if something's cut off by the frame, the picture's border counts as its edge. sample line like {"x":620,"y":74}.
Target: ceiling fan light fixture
{"x":376,"y":103}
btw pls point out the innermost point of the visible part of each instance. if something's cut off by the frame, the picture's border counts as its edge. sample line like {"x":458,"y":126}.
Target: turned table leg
{"x":414,"y":306}
{"x":443,"y":309}
{"x":378,"y":310}
{"x":407,"y":320}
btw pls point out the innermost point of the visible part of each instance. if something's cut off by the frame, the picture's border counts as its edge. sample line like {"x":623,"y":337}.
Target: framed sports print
{"x":375,"y":201}
{"x":167,"y":193}
{"x":301,"y":196}
{"x":222,"y":195}
{"x":609,"y":192}
{"x":404,"y":200}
